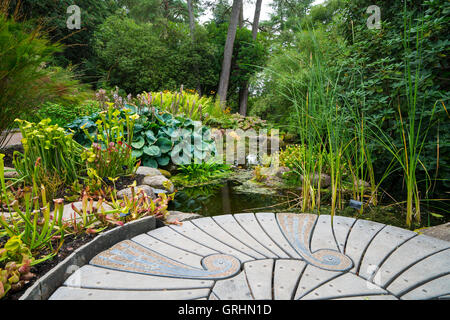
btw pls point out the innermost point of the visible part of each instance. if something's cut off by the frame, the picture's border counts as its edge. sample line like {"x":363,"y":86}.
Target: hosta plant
{"x":161,"y":137}
{"x":158,"y":137}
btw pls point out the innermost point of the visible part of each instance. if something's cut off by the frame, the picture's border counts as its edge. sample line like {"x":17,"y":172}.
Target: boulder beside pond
{"x":147,"y":171}
{"x":159,"y":182}
{"x":281,"y":171}
{"x":325,"y":180}
{"x":127,"y":191}
{"x":441,"y":231}
{"x":165,"y":173}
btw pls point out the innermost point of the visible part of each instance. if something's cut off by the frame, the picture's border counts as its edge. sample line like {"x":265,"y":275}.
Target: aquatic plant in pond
{"x":201,"y":173}
{"x":412,"y":132}
{"x":326,"y":135}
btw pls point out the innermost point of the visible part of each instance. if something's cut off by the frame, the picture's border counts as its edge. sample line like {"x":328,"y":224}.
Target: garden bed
{"x":71,"y":243}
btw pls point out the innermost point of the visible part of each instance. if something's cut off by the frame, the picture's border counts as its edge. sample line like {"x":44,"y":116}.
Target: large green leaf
{"x":152,"y":151}
{"x":149,"y":162}
{"x":132,"y":108}
{"x":168,"y":130}
{"x":139,"y":143}
{"x":137,"y":153}
{"x":150,"y":136}
{"x":138,"y":128}
{"x":173,"y":122}
{"x":167,"y":117}
{"x":200,"y":155}
{"x":188,"y":123}
{"x":164,"y":144}
{"x":203,"y":146}
{"x":160,"y":118}
{"x":163,"y":161}
{"x":196,"y":138}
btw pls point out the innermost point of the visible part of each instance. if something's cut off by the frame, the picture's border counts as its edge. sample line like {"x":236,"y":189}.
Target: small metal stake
{"x":355,"y":204}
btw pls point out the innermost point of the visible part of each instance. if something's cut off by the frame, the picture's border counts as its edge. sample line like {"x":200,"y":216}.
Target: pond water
{"x":229,"y":198}
{"x":218,"y":199}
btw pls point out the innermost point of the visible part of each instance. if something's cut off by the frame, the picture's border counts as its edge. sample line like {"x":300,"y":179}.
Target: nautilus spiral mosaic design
{"x":268,"y":256}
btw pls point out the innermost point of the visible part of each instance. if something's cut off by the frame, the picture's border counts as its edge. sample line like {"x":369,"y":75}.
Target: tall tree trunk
{"x":241,"y":16}
{"x":191,"y":19}
{"x":192,"y":31}
{"x":228,"y":53}
{"x":256,"y":19}
{"x":243,"y":95}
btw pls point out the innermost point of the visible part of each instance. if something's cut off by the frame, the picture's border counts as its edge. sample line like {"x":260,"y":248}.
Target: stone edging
{"x":13,"y":130}
{"x":46,"y":285}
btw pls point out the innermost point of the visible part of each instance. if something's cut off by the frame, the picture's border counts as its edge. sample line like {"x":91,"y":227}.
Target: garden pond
{"x":240,"y":193}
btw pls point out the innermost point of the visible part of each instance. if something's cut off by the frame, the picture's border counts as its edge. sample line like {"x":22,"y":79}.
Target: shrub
{"x":25,"y":80}
{"x":187,"y":103}
{"x":63,"y":114}
{"x":237,"y":121}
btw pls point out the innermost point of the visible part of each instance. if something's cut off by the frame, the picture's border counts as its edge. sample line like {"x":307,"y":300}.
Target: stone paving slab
{"x":68,"y":293}
{"x":268,"y":256}
{"x":441,"y":231}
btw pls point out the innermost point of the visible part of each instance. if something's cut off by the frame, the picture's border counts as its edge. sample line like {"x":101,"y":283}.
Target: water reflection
{"x":212,"y":200}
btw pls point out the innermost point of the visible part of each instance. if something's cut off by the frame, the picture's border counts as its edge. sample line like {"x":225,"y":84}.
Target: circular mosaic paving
{"x":268,"y":256}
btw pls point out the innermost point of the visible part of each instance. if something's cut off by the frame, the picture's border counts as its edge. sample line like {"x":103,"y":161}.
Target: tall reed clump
{"x":322,"y":129}
{"x":333,"y":138}
{"x":412,"y":131}
{"x":359,"y":157}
